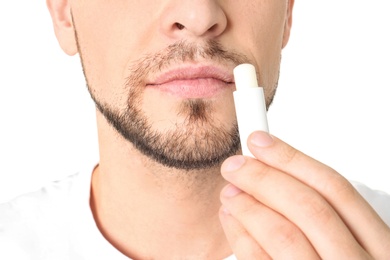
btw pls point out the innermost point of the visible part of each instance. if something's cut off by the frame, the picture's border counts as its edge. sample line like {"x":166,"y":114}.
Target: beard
{"x":195,"y":144}
{"x":199,"y":142}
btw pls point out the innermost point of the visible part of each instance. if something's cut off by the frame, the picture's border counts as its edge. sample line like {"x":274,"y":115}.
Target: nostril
{"x":179,"y":26}
{"x":213,"y":28}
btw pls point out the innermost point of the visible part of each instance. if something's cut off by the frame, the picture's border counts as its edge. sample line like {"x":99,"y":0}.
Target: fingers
{"x":242,"y":243}
{"x":249,"y":223}
{"x":298,"y":203}
{"x":361,"y":219}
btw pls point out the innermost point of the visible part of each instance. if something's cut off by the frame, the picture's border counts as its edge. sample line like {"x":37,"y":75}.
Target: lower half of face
{"x":179,"y":108}
{"x":176,"y":106}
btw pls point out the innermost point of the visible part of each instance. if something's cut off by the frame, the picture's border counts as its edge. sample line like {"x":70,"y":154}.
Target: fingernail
{"x":231,"y":191}
{"x":233,"y":163}
{"x":261,"y":139}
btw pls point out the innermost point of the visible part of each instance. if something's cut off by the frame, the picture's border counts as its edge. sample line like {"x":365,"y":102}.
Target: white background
{"x":333,"y":101}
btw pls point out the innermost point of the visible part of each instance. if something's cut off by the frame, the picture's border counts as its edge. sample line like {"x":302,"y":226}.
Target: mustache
{"x":181,"y":52}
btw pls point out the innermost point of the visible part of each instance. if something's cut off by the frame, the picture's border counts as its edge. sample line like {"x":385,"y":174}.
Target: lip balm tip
{"x":245,"y":76}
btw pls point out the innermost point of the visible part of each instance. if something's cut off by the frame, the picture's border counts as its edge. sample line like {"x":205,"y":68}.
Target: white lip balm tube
{"x":250,"y":104}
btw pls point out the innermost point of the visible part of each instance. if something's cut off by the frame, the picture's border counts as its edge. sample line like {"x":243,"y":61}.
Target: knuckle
{"x":287,"y":235}
{"x":262,"y":172}
{"x":288,"y":154}
{"x":340,"y":187}
{"x":315,"y":208}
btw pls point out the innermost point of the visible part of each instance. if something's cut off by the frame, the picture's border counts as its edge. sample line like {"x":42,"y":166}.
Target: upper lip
{"x":194,"y":72}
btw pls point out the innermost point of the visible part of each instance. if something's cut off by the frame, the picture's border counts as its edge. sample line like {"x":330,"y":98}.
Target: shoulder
{"x":36,"y":221}
{"x":49,"y":197}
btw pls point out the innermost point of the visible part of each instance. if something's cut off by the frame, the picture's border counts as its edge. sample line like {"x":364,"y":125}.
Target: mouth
{"x":194,"y":81}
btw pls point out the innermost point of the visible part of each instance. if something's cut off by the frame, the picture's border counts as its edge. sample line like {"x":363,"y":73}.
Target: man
{"x":160,"y":73}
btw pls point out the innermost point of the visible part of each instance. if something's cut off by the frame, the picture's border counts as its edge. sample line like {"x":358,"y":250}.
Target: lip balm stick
{"x":250,"y":104}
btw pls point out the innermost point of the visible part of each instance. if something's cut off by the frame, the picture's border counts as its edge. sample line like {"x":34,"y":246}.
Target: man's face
{"x":161,"y":71}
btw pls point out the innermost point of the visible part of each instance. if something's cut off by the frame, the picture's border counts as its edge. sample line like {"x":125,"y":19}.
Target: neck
{"x":148,"y":211}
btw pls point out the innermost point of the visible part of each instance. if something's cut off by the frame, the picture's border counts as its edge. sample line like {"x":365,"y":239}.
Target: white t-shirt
{"x":56,"y":222}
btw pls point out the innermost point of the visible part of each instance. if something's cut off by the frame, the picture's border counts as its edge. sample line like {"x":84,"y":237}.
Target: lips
{"x":194,"y":81}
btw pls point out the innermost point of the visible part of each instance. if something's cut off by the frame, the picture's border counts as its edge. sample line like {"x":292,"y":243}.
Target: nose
{"x":194,"y":18}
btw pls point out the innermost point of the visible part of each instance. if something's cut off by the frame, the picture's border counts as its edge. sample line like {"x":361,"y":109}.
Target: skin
{"x":283,"y":204}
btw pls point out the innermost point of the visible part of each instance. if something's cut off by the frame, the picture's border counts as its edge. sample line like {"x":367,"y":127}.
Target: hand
{"x":286,"y":205}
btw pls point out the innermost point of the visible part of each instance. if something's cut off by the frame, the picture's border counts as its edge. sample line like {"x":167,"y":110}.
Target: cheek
{"x":109,"y":40}
{"x":260,"y":34}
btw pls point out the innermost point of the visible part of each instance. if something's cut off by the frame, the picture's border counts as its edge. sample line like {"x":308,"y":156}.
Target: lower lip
{"x":193,"y":88}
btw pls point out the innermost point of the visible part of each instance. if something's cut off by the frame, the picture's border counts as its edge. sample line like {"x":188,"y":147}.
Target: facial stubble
{"x":199,"y":142}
